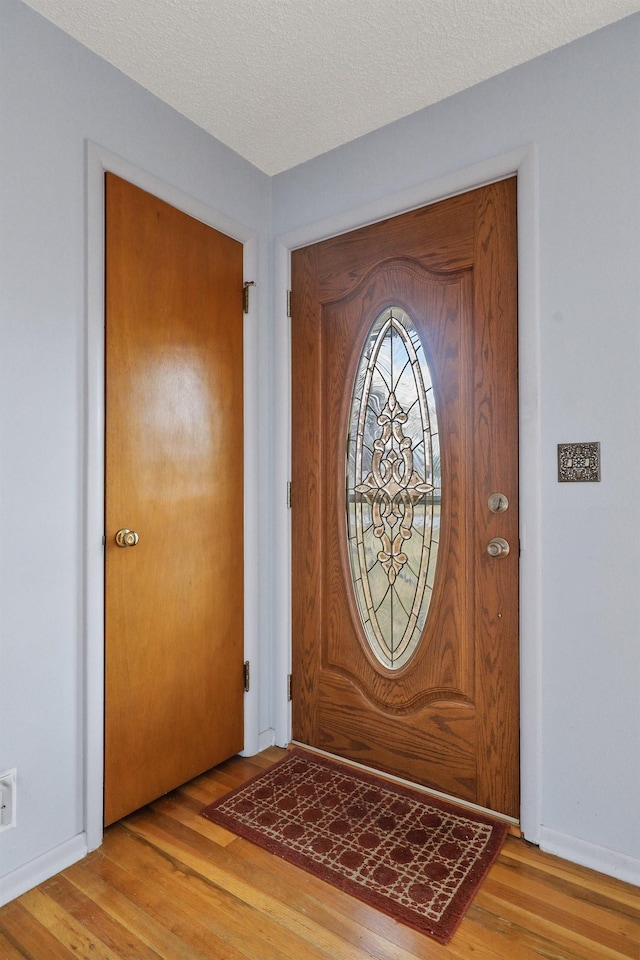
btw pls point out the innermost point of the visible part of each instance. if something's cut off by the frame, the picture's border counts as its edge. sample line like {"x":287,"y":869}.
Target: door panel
{"x":449,"y":717}
{"x":174,"y":468}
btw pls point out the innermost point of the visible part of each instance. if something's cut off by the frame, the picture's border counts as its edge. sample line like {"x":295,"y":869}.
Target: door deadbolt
{"x":498,"y":503}
{"x":126,"y":538}
{"x":497,"y":547}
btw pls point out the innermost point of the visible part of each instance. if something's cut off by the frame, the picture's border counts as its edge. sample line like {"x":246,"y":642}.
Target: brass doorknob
{"x":497,"y":547}
{"x":126,"y":538}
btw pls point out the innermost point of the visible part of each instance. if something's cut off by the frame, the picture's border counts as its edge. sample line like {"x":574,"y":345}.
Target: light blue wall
{"x":55,"y":95}
{"x":580,"y":105}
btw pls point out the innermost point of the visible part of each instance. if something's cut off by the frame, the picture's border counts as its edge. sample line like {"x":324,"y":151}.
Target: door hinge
{"x":245,"y":294}
{"x":288,"y":303}
{"x":289,"y":494}
{"x":289,"y":687}
{"x":246,"y":676}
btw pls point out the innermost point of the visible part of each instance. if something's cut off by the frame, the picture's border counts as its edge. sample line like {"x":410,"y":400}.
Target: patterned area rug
{"x":416,"y":858}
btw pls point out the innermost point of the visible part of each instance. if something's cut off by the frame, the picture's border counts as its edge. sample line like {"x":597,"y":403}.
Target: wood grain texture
{"x":174,"y":473}
{"x":495,"y":433}
{"x":398,"y":747}
{"x":306,"y":491}
{"x":163,"y":887}
{"x":452,"y":267}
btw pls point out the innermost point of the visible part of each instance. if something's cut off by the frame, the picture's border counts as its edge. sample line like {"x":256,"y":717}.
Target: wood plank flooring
{"x":168,"y":885}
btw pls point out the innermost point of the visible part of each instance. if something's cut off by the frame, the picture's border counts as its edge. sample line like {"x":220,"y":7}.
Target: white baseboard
{"x":17,"y":882}
{"x":613,"y":864}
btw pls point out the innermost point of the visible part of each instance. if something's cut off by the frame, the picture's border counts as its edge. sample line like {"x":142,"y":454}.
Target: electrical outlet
{"x":8,"y":781}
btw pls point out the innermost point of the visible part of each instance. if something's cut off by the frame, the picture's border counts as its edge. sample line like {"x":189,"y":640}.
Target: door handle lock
{"x":498,"y":503}
{"x":126,"y":538}
{"x":498,"y":547}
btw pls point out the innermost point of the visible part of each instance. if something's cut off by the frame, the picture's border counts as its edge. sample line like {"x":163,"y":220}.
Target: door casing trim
{"x":522,"y":162}
{"x":98,"y":161}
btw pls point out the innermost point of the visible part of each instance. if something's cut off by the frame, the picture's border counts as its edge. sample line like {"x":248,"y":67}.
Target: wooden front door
{"x":174,"y":477}
{"x":405,"y":628}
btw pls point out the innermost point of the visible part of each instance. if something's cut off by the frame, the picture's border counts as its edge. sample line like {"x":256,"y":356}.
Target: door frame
{"x":522,"y":162}
{"x":98,"y":161}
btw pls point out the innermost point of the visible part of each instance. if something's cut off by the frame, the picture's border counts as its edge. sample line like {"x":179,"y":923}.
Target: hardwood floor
{"x":168,"y":885}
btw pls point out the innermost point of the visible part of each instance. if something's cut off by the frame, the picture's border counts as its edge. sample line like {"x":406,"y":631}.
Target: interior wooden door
{"x":434,"y":699}
{"x":174,"y":477}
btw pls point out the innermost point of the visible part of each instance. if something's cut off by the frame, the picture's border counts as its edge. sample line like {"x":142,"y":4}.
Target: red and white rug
{"x":416,"y":858}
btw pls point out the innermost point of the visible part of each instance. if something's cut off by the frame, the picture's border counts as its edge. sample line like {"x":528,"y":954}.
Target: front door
{"x":405,"y":497}
{"x":174,"y":498}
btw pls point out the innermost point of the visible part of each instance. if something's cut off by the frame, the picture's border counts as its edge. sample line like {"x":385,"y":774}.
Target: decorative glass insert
{"x":393,"y":488}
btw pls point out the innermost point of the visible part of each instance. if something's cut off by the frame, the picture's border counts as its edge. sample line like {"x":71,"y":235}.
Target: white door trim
{"x":100,"y":160}
{"x":522,"y":162}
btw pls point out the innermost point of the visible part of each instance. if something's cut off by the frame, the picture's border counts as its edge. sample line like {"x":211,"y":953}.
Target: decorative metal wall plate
{"x":578,"y":462}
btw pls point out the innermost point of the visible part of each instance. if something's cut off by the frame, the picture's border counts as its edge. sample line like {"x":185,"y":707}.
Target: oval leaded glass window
{"x":393,"y":488}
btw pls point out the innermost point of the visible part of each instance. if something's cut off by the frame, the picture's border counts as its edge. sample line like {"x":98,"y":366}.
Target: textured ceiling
{"x":281,"y":81}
